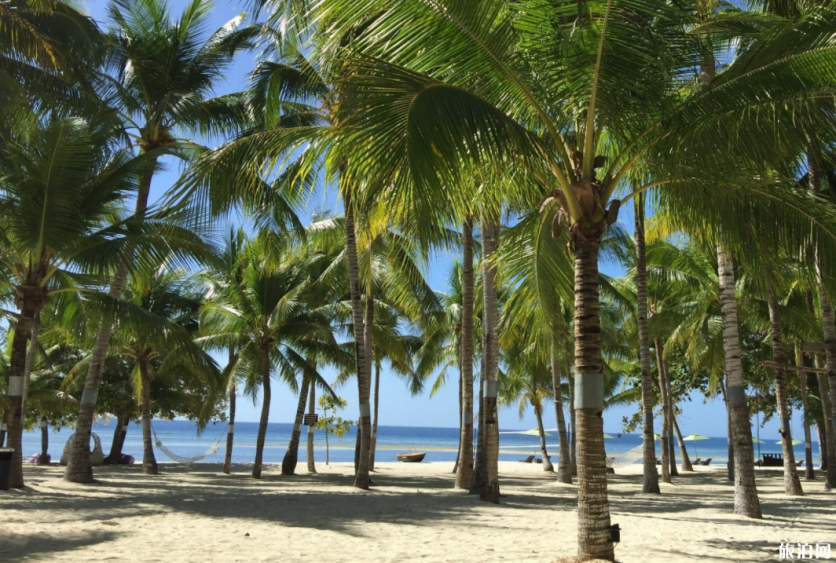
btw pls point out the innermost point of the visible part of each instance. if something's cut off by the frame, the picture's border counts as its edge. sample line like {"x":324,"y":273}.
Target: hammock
{"x":179,"y":459}
{"x":628,"y":458}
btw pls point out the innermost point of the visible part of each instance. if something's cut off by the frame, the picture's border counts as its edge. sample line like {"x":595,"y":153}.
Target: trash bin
{"x":6,"y":468}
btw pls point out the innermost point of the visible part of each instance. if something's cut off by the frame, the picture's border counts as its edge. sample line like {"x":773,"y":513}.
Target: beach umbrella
{"x":694,"y":438}
{"x":794,"y":442}
{"x":608,"y":437}
{"x":532,"y":432}
{"x":759,"y":441}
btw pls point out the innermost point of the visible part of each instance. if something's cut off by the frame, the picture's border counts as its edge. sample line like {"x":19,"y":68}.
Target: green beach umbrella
{"x":694,"y":438}
{"x":608,"y":437}
{"x":532,"y":432}
{"x":759,"y":441}
{"x":794,"y":442}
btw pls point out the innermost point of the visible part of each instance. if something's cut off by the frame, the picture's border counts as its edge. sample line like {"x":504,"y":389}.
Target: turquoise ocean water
{"x":440,"y":444}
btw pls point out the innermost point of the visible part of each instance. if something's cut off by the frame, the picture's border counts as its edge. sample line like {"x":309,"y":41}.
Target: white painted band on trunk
{"x":297,"y":427}
{"x":365,"y":409}
{"x":124,"y":428}
{"x":44,"y":424}
{"x":589,"y":391}
{"x":737,"y":395}
{"x":88,"y":397}
{"x":785,"y":425}
{"x":808,"y":445}
{"x":648,"y":420}
{"x":3,"y":427}
{"x":230,"y":429}
{"x":16,"y":386}
{"x":491,"y":388}
{"x":310,"y":429}
{"x":467,"y":418}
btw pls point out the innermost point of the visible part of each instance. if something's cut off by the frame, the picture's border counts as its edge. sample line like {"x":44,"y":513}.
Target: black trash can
{"x":6,"y":468}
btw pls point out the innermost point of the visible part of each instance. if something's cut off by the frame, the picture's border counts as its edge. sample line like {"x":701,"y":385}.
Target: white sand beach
{"x":199,"y":515}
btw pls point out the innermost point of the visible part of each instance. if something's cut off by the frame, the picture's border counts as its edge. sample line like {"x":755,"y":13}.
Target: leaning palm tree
{"x":159,"y":78}
{"x":59,"y":183}
{"x":576,"y":101}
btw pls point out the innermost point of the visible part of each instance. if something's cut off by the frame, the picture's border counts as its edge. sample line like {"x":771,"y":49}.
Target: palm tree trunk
{"x":669,"y":395}
{"x":119,"y":434}
{"x":547,"y":463}
{"x":490,"y":351}
{"x":802,"y":359}
{"x":461,"y":410}
{"x":230,"y":430}
{"x":3,"y":428}
{"x":730,"y":451}
{"x":29,"y":304}
{"x":564,"y":460}
{"x":373,"y":445}
{"x":792,"y":484}
{"x":149,"y":462}
{"x":79,"y":469}
{"x":265,"y":413}
{"x":464,"y":470}
{"x":573,"y":434}
{"x":746,"y":500}
{"x":651,"y":476}
{"x":44,"y":457}
{"x":828,"y":389}
{"x":30,"y":358}
{"x":825,"y":445}
{"x":686,"y":461}
{"x":479,"y":468}
{"x":663,"y":441}
{"x":593,"y":505}
{"x":820,"y":430}
{"x":311,"y":411}
{"x":361,"y":478}
{"x":291,"y":456}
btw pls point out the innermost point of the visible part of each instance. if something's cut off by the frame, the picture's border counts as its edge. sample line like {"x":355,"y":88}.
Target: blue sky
{"x":397,"y":406}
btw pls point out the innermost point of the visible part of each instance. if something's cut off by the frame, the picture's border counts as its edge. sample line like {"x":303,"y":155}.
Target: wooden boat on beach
{"x":413,"y":457}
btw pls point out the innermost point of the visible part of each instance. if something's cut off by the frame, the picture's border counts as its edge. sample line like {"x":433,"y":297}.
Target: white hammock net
{"x":628,"y":458}
{"x":179,"y":459}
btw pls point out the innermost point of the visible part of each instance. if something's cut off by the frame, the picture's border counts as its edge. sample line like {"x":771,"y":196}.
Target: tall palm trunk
{"x":479,"y":467}
{"x":29,"y":300}
{"x":291,"y":456}
{"x":822,"y":446}
{"x":3,"y":428}
{"x":651,"y":476}
{"x":311,"y":411}
{"x":564,"y":461}
{"x":686,"y":461}
{"x":828,"y":386}
{"x":79,"y":469}
{"x":663,"y":441}
{"x":729,"y":433}
{"x":461,"y":410}
{"x":464,"y":469}
{"x":490,"y":350}
{"x":792,"y":484}
{"x":373,"y":445}
{"x":265,"y":412}
{"x":119,"y":434}
{"x":230,"y":430}
{"x":149,"y":462}
{"x":547,"y":463}
{"x":802,"y":359}
{"x":361,"y":477}
{"x":44,"y":457}
{"x":573,"y":431}
{"x":671,"y":420}
{"x":593,"y":506}
{"x":825,"y":445}
{"x":745,"y":490}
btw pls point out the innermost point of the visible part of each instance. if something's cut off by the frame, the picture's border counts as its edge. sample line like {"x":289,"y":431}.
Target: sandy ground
{"x":413,"y":513}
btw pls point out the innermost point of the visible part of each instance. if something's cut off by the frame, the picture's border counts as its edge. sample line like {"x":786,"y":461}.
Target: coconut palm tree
{"x":61,"y":180}
{"x":269,"y":314}
{"x":159,"y":77}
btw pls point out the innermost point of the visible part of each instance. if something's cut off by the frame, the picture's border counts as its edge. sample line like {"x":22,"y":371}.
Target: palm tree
{"x":60,"y":182}
{"x":269,"y":314}
{"x":477,"y":50}
{"x":159,"y":77}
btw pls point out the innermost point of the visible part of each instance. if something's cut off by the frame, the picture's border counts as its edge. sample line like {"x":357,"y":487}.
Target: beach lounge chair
{"x":696,"y":461}
{"x":529,"y":459}
{"x":706,"y":462}
{"x":799,"y":463}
